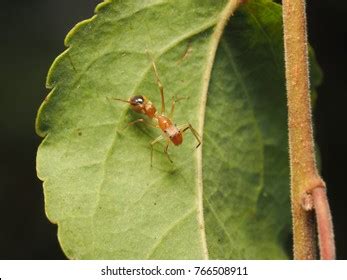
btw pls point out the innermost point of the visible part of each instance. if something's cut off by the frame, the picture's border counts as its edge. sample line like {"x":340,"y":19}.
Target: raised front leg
{"x":160,"y":85}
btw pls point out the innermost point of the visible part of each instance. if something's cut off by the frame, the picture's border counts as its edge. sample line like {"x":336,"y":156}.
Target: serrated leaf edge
{"x":228,"y":11}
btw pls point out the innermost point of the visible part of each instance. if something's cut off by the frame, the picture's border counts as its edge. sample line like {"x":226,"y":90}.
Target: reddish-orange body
{"x":142,"y":105}
{"x":170,"y":130}
{"x":172,"y":134}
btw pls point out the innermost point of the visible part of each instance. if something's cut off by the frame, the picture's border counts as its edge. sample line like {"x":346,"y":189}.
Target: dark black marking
{"x":137,"y":100}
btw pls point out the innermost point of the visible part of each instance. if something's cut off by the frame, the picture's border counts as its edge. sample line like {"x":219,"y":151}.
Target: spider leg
{"x":185,"y":127}
{"x":137,"y":121}
{"x":166,"y":148}
{"x":157,"y":140}
{"x":160,"y":85}
{"x":174,"y":100}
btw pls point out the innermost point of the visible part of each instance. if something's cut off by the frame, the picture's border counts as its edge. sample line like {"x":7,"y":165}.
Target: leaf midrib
{"x":216,"y":36}
{"x":121,"y":119}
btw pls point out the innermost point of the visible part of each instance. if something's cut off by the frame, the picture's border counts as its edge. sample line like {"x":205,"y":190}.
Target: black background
{"x":32,"y":34}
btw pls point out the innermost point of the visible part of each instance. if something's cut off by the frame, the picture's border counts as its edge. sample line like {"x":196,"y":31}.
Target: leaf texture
{"x":100,"y":189}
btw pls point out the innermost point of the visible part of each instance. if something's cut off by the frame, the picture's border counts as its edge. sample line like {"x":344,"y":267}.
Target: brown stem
{"x":306,"y":184}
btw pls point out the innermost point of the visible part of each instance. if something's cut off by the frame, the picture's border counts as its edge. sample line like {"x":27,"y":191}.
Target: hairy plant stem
{"x":307,"y":188}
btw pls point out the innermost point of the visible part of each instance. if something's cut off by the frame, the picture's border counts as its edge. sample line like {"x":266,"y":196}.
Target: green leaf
{"x":245,"y":140}
{"x":100,"y":189}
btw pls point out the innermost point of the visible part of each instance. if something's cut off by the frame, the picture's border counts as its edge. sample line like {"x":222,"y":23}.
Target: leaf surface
{"x":100,"y":189}
{"x":245,"y":140}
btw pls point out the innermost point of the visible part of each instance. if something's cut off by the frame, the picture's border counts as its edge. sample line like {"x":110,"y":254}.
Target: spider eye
{"x":137,"y":100}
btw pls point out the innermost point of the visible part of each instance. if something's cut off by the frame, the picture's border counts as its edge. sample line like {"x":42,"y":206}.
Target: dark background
{"x":32,"y":34}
